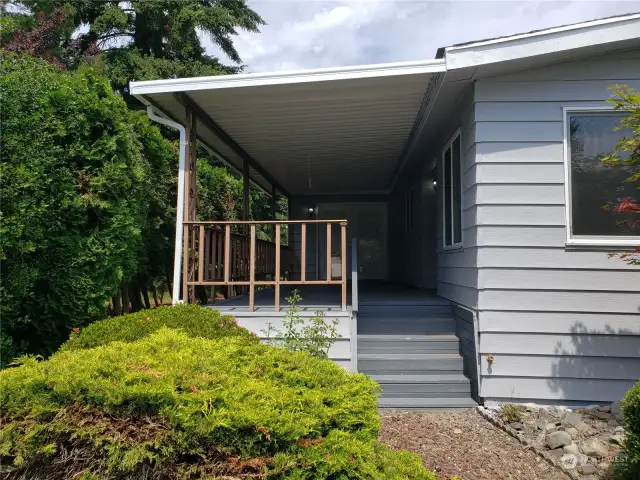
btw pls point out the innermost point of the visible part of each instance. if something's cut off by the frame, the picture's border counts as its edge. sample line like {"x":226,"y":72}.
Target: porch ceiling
{"x":316,"y":131}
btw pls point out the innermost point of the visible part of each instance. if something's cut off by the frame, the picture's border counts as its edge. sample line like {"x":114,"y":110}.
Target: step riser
{"x":408,"y":347}
{"x":374,"y":327}
{"x":404,"y":310}
{"x":426,"y":389}
{"x":426,"y":403}
{"x":426,"y":395}
{"x":395,"y":366}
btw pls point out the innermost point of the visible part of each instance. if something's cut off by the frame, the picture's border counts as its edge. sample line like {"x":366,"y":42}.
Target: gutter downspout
{"x":177,"y":256}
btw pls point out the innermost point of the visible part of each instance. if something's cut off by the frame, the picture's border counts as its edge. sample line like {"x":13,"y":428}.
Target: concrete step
{"x":429,"y":403}
{"x":435,"y":343}
{"x":434,"y":378}
{"x":380,"y":363}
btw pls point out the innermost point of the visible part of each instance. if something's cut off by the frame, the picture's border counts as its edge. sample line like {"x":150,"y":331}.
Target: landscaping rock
{"x":568,"y":462}
{"x":571,"y":419}
{"x":573,"y":448}
{"x":550,"y":427}
{"x":616,"y":407}
{"x":600,"y":415}
{"x":558,"y":439}
{"x":572,"y":431}
{"x":595,"y":448}
{"x":619,"y":430}
{"x":617,"y":439}
{"x":587,"y":469}
{"x":517,"y":426}
{"x":583,"y":427}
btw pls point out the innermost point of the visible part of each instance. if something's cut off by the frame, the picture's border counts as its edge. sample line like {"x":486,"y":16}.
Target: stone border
{"x":494,"y":420}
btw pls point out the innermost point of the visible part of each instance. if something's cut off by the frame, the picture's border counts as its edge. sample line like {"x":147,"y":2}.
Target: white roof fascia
{"x":287,"y":77}
{"x":553,"y":40}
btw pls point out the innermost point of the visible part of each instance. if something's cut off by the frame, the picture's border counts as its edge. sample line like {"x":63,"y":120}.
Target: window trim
{"x":585,"y":240}
{"x":460,"y":244}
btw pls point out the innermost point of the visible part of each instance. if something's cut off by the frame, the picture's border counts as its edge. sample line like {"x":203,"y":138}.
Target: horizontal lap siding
{"x":561,"y":324}
{"x":457,"y":273}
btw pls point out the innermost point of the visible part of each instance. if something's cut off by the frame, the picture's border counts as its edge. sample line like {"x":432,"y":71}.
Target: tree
{"x":81,"y":193}
{"x":627,"y":154}
{"x":150,"y":39}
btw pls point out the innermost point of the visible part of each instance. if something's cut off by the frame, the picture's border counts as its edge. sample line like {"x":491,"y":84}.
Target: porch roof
{"x":352,"y":129}
{"x":333,"y":130}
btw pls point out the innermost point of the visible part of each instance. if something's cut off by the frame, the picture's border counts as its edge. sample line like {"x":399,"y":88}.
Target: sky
{"x":329,"y":33}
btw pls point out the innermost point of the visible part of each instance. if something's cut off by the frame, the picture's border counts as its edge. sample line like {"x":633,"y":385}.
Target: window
{"x":409,"y":212}
{"x":594,"y":191}
{"x":452,"y":192}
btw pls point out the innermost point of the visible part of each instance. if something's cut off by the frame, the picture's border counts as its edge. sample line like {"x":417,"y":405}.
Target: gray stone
{"x":604,"y":466}
{"x":516,"y":426}
{"x":557,"y":453}
{"x":617,"y":439}
{"x":572,"y":431}
{"x":558,"y":439}
{"x":600,"y":415}
{"x":619,"y":429}
{"x":573,"y":448}
{"x":606,"y":409}
{"x":616,"y":407}
{"x":612,"y":423}
{"x":568,"y":461}
{"x":540,"y":424}
{"x":583,"y":459}
{"x":601,"y":425}
{"x":587,"y":469}
{"x":550,"y":427}
{"x":583,"y":427}
{"x":595,"y":448}
{"x":571,"y":419}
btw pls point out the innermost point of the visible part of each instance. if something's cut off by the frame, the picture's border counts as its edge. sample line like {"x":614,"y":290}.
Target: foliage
{"x":510,"y":413}
{"x":80,"y":195}
{"x":314,"y":337}
{"x":174,"y":406}
{"x":627,"y":153}
{"x":193,"y":320}
{"x":150,"y":39}
{"x":630,"y":469}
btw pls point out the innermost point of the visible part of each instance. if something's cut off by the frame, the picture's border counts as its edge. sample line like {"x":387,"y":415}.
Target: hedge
{"x":193,"y":320}
{"x":172,"y":405}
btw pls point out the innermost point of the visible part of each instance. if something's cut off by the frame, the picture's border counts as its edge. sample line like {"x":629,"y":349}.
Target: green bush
{"x":177,"y":406}
{"x":631,"y":409}
{"x":79,"y":193}
{"x":193,"y":320}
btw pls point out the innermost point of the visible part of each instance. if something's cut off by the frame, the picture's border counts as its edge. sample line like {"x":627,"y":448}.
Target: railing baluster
{"x":227,"y":253}
{"x":201,"y":266}
{"x":343,"y":258}
{"x":276,"y":276}
{"x":303,"y":252}
{"x":328,"y":252}
{"x":252,"y":268}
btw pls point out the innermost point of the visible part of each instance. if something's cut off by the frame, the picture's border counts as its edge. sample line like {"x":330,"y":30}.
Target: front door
{"x":366,"y":221}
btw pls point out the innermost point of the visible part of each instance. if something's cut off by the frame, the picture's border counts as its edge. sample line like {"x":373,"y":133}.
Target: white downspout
{"x":177,"y":256}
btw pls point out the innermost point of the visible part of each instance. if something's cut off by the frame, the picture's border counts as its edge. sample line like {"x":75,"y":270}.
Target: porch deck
{"x":327,"y":297}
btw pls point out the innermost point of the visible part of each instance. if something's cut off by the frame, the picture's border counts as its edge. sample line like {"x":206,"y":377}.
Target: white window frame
{"x":449,"y":144}
{"x":585,"y":240}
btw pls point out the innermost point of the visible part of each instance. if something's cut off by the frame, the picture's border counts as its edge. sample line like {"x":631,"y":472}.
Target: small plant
{"x":510,"y":413}
{"x":314,"y":336}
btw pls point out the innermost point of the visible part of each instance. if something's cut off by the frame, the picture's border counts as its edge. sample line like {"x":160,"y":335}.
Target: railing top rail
{"x":259,"y":222}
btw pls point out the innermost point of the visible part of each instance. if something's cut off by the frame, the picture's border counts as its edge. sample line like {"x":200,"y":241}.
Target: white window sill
{"x":602,"y":245}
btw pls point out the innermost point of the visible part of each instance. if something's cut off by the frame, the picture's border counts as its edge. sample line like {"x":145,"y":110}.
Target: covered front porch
{"x":337,"y":144}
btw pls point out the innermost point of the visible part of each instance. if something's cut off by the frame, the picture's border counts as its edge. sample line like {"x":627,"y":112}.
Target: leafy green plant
{"x":194,"y":320}
{"x":630,"y":468}
{"x":174,"y":406}
{"x":313,"y":336}
{"x":509,"y":413}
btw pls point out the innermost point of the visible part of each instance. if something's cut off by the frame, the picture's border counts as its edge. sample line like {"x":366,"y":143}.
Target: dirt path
{"x":463,"y":443}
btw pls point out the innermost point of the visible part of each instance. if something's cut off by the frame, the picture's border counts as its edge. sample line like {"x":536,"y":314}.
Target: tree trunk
{"x":145,"y":296}
{"x":169,"y":288}
{"x":117,"y":306}
{"x":125,"y":299}
{"x":154,"y":292}
{"x":134,"y":297}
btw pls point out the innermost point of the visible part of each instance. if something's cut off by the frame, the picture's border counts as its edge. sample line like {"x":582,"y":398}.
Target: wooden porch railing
{"x":216,"y":256}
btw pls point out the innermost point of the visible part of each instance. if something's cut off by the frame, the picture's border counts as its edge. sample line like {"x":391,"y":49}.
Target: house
{"x":456,"y":202}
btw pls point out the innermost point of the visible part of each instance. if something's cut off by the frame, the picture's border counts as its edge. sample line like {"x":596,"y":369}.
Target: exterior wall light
{"x":311,"y":211}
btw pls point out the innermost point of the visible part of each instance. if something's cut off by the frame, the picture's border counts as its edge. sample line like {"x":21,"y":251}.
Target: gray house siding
{"x":457,"y":273}
{"x":563,"y":325}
